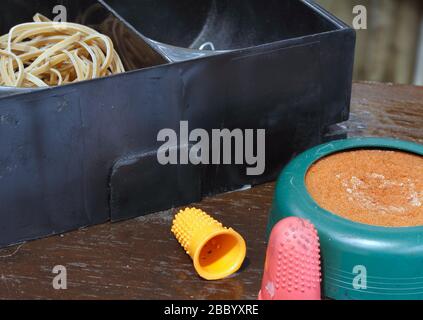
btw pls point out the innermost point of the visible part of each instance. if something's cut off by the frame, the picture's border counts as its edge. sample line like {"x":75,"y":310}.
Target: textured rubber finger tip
{"x":292,"y":269}
{"x":217,"y":251}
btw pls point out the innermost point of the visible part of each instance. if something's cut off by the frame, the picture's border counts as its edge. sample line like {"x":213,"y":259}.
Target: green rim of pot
{"x":293,"y":196}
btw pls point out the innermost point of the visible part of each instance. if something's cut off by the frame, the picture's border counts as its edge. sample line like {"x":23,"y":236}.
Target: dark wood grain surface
{"x":140,"y":259}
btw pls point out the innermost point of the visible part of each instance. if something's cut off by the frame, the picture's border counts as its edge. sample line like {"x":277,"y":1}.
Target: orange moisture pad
{"x":374,"y":187}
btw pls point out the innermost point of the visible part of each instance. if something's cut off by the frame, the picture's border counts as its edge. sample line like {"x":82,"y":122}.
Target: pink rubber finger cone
{"x":292,"y":269}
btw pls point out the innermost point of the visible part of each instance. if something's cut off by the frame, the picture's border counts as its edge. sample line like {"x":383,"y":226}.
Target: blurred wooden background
{"x":391,"y":48}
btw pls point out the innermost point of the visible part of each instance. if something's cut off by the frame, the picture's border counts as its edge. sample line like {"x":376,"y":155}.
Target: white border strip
{"x":418,"y":80}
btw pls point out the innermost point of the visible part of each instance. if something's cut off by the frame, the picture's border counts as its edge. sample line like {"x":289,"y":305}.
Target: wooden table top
{"x":140,"y":259}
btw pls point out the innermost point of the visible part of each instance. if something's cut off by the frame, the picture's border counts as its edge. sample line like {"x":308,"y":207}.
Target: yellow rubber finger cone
{"x":217,"y":252}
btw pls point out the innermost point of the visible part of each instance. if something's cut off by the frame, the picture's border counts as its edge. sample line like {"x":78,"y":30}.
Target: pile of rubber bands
{"x":45,"y":53}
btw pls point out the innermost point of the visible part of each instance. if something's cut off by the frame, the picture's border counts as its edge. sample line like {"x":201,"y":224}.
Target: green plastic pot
{"x":359,"y":262}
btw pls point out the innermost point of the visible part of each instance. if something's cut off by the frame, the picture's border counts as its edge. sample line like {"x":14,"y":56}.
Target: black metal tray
{"x":86,"y":153}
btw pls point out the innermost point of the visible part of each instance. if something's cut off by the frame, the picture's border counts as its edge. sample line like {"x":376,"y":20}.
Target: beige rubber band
{"x":45,"y":53}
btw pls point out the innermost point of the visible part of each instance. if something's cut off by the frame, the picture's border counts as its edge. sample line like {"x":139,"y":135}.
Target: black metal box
{"x":82,"y":154}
